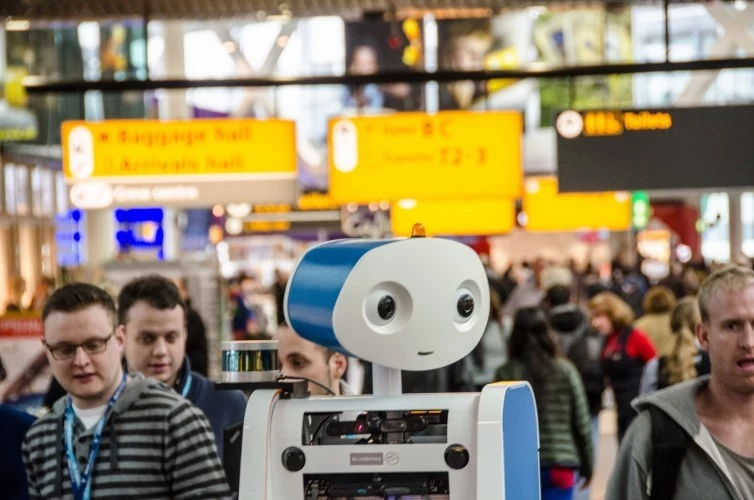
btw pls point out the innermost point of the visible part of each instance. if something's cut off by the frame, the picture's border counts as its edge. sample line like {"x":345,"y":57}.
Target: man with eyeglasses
{"x":152,"y":319}
{"x":115,"y":434}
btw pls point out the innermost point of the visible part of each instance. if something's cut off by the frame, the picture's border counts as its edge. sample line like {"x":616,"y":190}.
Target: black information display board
{"x":677,"y":148}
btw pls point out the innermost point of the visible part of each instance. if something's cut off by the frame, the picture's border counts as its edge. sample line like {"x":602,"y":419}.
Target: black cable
{"x":323,"y":386}
{"x":319,"y":427}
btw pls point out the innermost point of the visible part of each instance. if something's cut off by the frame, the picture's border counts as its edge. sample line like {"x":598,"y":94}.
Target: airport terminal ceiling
{"x":196,"y":9}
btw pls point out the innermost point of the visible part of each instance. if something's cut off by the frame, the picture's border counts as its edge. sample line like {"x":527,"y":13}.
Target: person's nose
{"x":747,"y":338}
{"x":160,"y":348}
{"x":80,"y":357}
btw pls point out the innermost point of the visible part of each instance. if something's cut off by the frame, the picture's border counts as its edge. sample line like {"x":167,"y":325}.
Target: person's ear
{"x":120,"y":335}
{"x":702,"y":335}
{"x":338,"y":364}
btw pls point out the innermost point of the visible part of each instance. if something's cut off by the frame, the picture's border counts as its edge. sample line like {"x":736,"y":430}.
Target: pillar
{"x":735,"y":229}
{"x":173,"y":106}
{"x":100,"y":237}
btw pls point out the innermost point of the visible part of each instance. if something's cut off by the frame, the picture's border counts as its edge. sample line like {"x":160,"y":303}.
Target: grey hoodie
{"x":703,"y":474}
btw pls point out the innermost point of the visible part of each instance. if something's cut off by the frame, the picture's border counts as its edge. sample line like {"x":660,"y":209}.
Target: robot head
{"x":412,"y":304}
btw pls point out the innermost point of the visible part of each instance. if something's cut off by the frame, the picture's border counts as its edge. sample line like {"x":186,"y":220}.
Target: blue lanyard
{"x":81,"y":484}
{"x":187,"y":385}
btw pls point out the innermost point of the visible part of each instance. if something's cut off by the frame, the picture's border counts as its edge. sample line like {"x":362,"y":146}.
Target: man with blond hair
{"x":696,"y":439}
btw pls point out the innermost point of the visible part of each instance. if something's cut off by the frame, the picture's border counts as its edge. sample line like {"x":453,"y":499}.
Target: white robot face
{"x":413,"y":304}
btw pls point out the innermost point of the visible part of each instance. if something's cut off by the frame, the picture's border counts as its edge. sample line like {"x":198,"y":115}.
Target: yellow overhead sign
{"x":548,"y":210}
{"x":448,"y":155}
{"x":187,"y":149}
{"x":476,"y":217}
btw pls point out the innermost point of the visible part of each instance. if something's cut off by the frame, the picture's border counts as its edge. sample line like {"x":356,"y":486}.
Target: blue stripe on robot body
{"x":311,"y":299}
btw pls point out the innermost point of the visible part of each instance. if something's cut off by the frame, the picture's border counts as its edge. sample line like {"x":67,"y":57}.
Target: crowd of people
{"x":133,"y":418}
{"x":572,"y":336}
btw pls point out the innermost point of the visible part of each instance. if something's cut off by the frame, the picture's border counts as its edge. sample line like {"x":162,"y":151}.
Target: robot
{"x":411,"y":304}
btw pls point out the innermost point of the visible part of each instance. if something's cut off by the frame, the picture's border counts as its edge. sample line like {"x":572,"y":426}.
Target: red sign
{"x":20,"y":325}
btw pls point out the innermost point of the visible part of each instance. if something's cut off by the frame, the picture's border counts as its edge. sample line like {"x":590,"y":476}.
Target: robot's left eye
{"x":464,"y":305}
{"x":386,"y":307}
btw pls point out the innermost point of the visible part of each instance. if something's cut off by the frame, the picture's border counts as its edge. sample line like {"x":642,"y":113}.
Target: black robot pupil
{"x":386,"y":307}
{"x":465,"y":305}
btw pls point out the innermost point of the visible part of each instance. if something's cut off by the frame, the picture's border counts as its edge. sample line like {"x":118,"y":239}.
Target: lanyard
{"x":187,"y":385}
{"x":81,"y":484}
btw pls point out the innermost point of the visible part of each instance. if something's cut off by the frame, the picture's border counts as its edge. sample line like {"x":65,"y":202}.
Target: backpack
{"x":584,"y":350}
{"x":669,"y":443}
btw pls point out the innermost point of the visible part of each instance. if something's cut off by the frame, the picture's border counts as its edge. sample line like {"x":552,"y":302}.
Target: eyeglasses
{"x":66,"y":351}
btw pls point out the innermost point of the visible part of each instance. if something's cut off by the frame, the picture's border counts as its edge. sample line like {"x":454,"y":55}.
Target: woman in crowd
{"x":658,"y":304}
{"x":490,"y":353}
{"x":686,"y":360}
{"x":624,"y":354}
{"x":565,"y":441}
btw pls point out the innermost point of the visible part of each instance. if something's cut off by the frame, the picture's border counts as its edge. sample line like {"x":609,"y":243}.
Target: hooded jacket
{"x":703,"y":474}
{"x":583,"y":346}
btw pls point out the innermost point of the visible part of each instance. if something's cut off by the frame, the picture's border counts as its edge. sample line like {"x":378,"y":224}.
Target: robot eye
{"x":464,"y":309}
{"x":386,"y":308}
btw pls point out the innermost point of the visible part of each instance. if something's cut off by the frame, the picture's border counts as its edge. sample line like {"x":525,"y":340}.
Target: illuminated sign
{"x":474,"y":217}
{"x":655,"y":247}
{"x":183,"y":163}
{"x":548,"y":210}
{"x":70,"y":238}
{"x":313,"y":212}
{"x":145,"y":148}
{"x":643,"y":149}
{"x":95,"y":194}
{"x":448,"y":155}
{"x":571,"y":124}
{"x":641,"y":210}
{"x":17,"y":123}
{"x":316,"y":201}
{"x":141,"y":229}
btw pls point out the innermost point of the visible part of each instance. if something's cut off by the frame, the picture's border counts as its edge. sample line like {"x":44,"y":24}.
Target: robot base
{"x":432,"y":446}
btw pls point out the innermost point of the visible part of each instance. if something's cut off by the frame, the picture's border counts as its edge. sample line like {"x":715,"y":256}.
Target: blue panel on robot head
{"x":315,"y":285}
{"x":412,"y":304}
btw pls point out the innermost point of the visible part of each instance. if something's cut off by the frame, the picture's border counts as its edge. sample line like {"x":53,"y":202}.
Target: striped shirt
{"x":155,"y":445}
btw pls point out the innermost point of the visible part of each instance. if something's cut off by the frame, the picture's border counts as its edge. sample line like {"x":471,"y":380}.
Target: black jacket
{"x":196,"y":341}
{"x":450,"y":378}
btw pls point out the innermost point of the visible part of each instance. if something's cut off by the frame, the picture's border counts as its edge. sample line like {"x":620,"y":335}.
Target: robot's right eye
{"x":386,"y":308}
{"x":381,"y":307}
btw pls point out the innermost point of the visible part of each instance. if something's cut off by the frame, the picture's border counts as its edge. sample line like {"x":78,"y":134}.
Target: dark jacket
{"x":13,"y":427}
{"x":583,"y":347}
{"x":196,"y":341}
{"x":222,"y":408}
{"x":451,"y":378}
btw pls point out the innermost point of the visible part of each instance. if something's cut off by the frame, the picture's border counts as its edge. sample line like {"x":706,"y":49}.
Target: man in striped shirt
{"x":115,"y":436}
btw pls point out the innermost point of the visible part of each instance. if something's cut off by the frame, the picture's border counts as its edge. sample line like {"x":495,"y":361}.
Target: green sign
{"x":640,"y":209}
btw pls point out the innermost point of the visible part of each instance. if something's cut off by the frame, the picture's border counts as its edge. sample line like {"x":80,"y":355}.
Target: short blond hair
{"x":620,"y":314}
{"x":732,"y":278}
